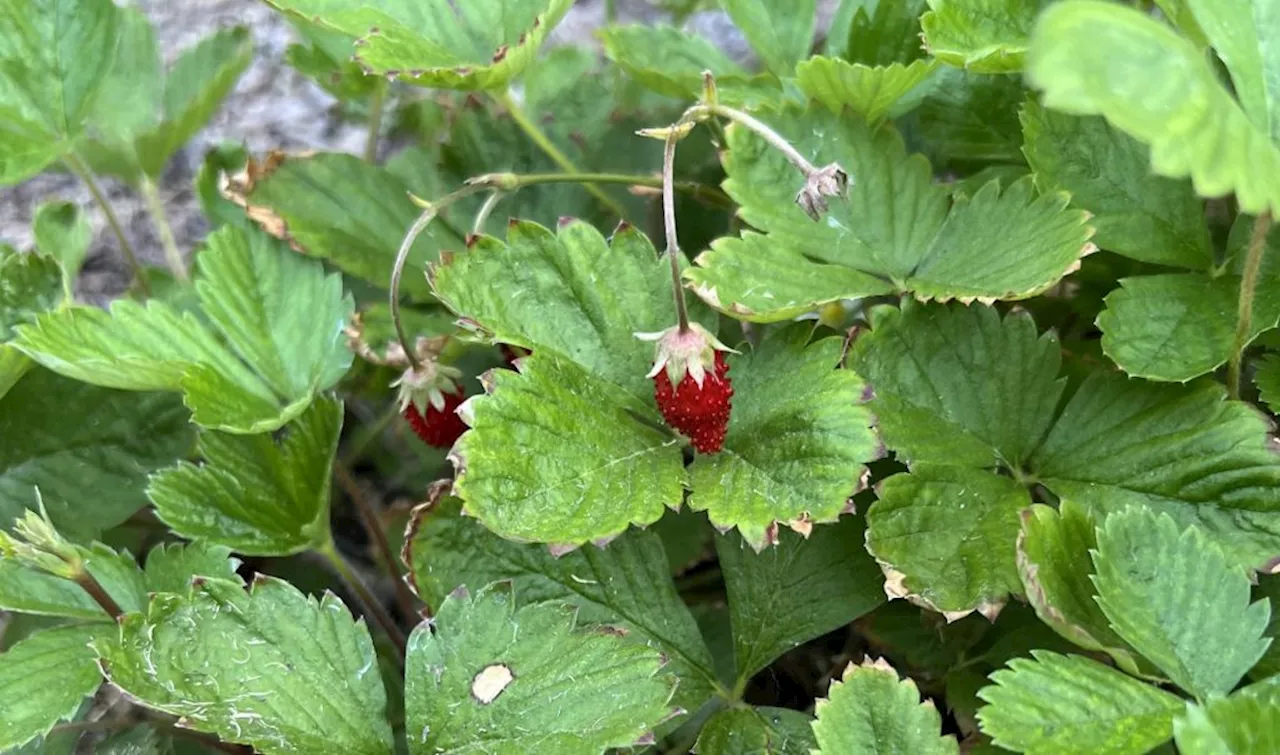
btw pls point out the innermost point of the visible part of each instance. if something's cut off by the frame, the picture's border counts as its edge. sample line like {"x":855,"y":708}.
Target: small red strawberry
{"x":429,"y":399}
{"x":691,"y":385}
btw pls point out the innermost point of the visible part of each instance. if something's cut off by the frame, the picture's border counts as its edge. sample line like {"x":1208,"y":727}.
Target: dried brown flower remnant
{"x":827,"y":181}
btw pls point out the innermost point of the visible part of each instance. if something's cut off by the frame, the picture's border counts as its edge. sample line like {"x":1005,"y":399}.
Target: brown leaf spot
{"x":500,"y":54}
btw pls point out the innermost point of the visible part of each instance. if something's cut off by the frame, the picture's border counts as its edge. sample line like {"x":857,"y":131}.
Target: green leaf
{"x":1242,"y":724}
{"x":985,"y":36}
{"x":527,"y":680}
{"x":87,"y":450}
{"x":872,"y":92}
{"x":871,"y":710}
{"x":341,"y":209}
{"x":625,"y":584}
{"x":28,"y":286}
{"x":279,"y":312}
{"x":1099,"y":58}
{"x":1178,"y":327}
{"x":756,"y":731}
{"x":479,"y":45}
{"x":780,"y":31}
{"x":960,"y":385}
{"x":130,"y":100}
{"x":1056,"y":571}
{"x":43,"y":680}
{"x":63,"y":233}
{"x":1244,"y":33}
{"x":53,"y":58}
{"x":895,"y":223}
{"x":1148,"y":568}
{"x":542,"y":291}
{"x":1107,"y":172}
{"x":876,"y":32}
{"x":171,"y":567}
{"x":969,"y":119}
{"x":669,"y":61}
{"x":803,"y":588}
{"x":1181,"y":450}
{"x":1267,"y":377}
{"x":254,"y":493}
{"x":789,"y":457}
{"x":605,"y":471}
{"x":315,"y":684}
{"x":230,"y":158}
{"x":194,"y":88}
{"x":324,"y":56}
{"x":946,"y":537}
{"x":1070,"y":704}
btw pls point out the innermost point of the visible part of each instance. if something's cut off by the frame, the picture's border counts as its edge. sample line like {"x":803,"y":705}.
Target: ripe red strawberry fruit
{"x":438,"y":428}
{"x":692,"y":386}
{"x":429,"y":400}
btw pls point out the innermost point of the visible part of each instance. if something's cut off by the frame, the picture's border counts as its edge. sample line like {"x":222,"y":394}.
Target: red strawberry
{"x":438,"y":427}
{"x":429,"y":399}
{"x":691,"y":385}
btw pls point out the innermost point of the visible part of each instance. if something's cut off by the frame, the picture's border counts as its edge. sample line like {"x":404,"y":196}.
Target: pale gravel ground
{"x":273,"y":107}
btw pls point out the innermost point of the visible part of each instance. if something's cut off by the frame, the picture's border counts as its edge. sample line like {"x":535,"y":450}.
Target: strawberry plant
{"x":906,"y":386}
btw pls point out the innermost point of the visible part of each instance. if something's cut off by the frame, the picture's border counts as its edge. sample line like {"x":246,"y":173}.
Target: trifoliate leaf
{"x":1099,"y":58}
{"x":1241,"y":724}
{"x":871,"y":710}
{"x":625,"y":584}
{"x":269,"y":667}
{"x":1056,"y":568}
{"x":279,"y":312}
{"x":756,"y":731}
{"x":985,"y":36}
{"x":256,"y":494}
{"x":43,"y":680}
{"x":970,"y":119}
{"x":29,"y":285}
{"x":62,"y":232}
{"x":339,"y":208}
{"x":1107,"y":172}
{"x":780,"y":31}
{"x":669,"y":61}
{"x":872,"y":92}
{"x":946,"y":537}
{"x":895,"y":223}
{"x":171,"y":567}
{"x":479,"y":45}
{"x":527,"y":680}
{"x":85,"y":451}
{"x":876,"y":34}
{"x":804,"y":587}
{"x":960,"y":385}
{"x":1244,"y":35}
{"x":605,"y":471}
{"x":1178,"y":327}
{"x":1070,"y":704}
{"x":790,"y":457}
{"x":1148,"y":569}
{"x":1267,"y":377}
{"x":1182,"y":450}
{"x":54,"y":54}
{"x":570,"y":293}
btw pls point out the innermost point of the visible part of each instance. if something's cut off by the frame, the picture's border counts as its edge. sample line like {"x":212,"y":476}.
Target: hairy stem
{"x":369,"y":518}
{"x":82,"y":171}
{"x":377,"y":104}
{"x":669,"y":223}
{"x":372,"y":606}
{"x":774,"y":139}
{"x":486,"y":210}
{"x":1248,"y":288}
{"x":155,"y":207}
{"x":512,"y":181}
{"x":96,"y":591}
{"x":544,"y":143}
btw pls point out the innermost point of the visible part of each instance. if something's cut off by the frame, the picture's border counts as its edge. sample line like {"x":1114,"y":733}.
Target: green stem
{"x":776,"y":140}
{"x":96,"y":591}
{"x":369,"y":518}
{"x":155,"y":207}
{"x":82,"y":171}
{"x":669,"y":223}
{"x":486,"y":210}
{"x":377,"y":104}
{"x":1248,"y":288}
{"x":512,"y":181}
{"x":372,"y":606}
{"x":544,"y":143}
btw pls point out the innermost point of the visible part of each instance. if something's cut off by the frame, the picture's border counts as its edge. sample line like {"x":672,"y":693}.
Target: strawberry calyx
{"x":426,"y":386}
{"x":691,"y":352}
